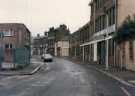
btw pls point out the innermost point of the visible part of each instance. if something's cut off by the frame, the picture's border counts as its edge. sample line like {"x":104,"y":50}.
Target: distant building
{"x":55,"y":42}
{"x":74,"y":42}
{"x":58,"y":41}
{"x":39,"y":45}
{"x":15,"y":35}
{"x":62,"y":34}
{"x":51,"y":41}
{"x":62,"y":47}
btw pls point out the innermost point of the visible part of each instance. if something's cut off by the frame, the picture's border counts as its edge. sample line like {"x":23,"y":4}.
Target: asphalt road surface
{"x":63,"y":78}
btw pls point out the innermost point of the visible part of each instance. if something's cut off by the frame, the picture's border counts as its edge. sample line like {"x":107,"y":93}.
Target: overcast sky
{"x":40,"y":15}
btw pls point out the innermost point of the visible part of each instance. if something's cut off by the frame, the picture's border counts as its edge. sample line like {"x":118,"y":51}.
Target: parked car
{"x":47,"y":57}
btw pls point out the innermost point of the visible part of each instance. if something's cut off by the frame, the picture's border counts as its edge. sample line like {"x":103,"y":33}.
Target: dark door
{"x":8,"y":53}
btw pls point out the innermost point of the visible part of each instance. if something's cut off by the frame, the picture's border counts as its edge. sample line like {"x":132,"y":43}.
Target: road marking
{"x":8,"y":78}
{"x":42,"y":83}
{"x":125,"y":91}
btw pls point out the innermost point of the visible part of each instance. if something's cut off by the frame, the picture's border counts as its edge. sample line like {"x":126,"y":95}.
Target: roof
{"x":84,"y":26}
{"x":20,"y":25}
{"x":65,"y":39}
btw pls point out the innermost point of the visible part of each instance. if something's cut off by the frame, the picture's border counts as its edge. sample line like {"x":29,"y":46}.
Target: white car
{"x":47,"y":58}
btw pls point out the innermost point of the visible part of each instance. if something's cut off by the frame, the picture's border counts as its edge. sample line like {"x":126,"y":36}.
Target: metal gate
{"x":1,"y":56}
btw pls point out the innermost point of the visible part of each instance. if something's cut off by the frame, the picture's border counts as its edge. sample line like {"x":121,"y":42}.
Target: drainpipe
{"x":83,"y":53}
{"x":116,"y":7}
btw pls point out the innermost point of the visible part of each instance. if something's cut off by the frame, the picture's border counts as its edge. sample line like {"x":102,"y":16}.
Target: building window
{"x":131,"y":50}
{"x":8,"y":46}
{"x":111,"y":16}
{"x":11,"y":46}
{"x":104,"y":21}
{"x":8,"y":33}
{"x":99,"y":4}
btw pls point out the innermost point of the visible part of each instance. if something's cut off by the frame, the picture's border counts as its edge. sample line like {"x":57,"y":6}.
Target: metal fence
{"x":21,"y":56}
{"x":1,"y":56}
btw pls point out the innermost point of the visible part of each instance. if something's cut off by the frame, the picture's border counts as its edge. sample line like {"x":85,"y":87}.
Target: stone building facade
{"x":104,"y":28}
{"x":62,"y":34}
{"x":99,"y":47}
{"x":125,"y":51}
{"x":97,"y":44}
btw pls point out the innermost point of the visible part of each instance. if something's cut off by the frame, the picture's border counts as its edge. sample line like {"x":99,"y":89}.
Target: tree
{"x":126,"y":30}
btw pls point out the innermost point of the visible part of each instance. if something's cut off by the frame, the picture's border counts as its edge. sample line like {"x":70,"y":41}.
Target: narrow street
{"x":61,"y":78}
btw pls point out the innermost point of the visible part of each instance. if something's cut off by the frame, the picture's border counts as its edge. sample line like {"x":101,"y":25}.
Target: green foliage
{"x":126,"y":30}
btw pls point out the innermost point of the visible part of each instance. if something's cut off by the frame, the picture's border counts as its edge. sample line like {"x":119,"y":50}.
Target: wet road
{"x":62,"y":78}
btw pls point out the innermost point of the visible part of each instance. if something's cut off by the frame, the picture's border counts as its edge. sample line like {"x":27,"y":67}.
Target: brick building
{"x":15,"y":35}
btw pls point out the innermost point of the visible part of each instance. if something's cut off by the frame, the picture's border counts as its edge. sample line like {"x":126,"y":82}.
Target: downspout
{"x":115,"y":45}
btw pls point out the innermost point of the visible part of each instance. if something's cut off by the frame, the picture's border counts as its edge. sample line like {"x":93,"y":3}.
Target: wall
{"x":64,"y":48}
{"x":125,"y":8}
{"x":130,"y":64}
{"x":123,"y":56}
{"x":17,"y":35}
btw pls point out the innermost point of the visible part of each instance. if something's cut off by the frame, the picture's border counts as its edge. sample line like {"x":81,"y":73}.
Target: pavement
{"x":34,"y":66}
{"x":126,"y":77}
